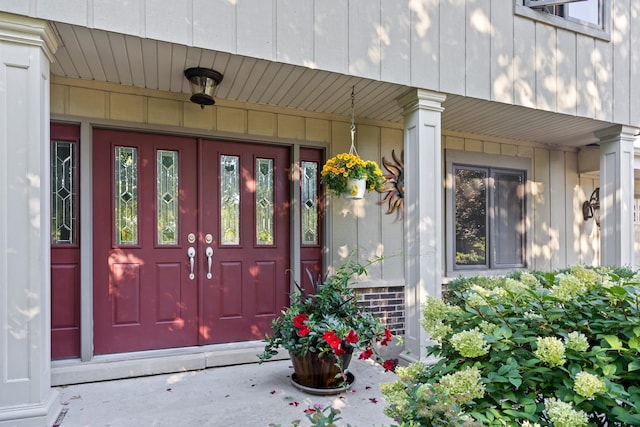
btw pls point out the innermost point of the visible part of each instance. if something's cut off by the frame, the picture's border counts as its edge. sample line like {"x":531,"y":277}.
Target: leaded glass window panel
{"x":63,"y":193}
{"x":264,"y":201}
{"x":126,"y":195}
{"x":167,"y":197}
{"x":230,"y":199}
{"x":309,"y":203}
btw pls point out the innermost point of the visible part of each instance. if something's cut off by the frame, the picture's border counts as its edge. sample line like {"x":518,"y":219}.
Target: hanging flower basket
{"x":348,"y":175}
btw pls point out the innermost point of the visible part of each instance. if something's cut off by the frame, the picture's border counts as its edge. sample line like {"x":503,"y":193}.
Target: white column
{"x":423,"y":212}
{"x":616,"y":195}
{"x":26,"y":397}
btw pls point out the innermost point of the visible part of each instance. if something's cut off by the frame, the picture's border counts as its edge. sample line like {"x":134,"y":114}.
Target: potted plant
{"x":348,"y":175}
{"x":322,"y":330}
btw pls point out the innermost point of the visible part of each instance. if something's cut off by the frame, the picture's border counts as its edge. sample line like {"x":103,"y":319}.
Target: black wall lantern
{"x":591,"y":207}
{"x":203,"y":83}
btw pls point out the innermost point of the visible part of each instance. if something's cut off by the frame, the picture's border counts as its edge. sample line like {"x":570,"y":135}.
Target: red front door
{"x":191,"y":242}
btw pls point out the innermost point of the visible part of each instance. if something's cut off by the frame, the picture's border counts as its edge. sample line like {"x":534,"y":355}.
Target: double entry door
{"x":191,"y":240}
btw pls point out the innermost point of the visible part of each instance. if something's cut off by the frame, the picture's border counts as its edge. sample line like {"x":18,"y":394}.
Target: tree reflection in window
{"x":126,"y":195}
{"x":471,"y":216}
{"x":230,"y":199}
{"x":264,"y":201}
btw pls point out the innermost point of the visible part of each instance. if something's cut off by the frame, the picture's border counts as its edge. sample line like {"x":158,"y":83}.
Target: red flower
{"x":387,"y":337}
{"x":367,"y":353}
{"x":389,"y":365}
{"x":339,"y":351}
{"x":299,"y":320}
{"x":303,"y":331}
{"x":352,"y":337}
{"x":331,"y":339}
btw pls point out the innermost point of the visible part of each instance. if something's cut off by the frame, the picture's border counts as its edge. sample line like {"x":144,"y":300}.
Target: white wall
{"x":476,"y":48}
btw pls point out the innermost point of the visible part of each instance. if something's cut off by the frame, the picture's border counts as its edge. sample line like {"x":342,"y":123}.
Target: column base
{"x":42,"y":415}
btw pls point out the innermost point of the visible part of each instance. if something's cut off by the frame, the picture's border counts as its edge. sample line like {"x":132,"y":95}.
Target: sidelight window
{"x":63,"y":193}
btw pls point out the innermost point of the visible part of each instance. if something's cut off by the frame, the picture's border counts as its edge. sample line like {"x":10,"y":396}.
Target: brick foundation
{"x":387,"y":304}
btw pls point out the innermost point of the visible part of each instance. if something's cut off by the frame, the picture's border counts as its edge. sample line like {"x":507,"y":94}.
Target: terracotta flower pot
{"x":319,"y":372}
{"x":355,"y":188}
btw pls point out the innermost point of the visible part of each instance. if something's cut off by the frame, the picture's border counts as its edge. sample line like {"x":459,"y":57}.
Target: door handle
{"x":209,"y":253}
{"x":191,"y":253}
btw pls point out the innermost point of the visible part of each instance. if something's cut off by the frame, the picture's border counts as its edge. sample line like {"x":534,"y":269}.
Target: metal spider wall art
{"x":394,"y":185}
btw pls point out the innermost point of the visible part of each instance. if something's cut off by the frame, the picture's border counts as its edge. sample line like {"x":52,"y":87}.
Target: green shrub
{"x":557,"y":349}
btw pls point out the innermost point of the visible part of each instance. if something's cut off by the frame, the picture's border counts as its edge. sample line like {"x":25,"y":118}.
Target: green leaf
{"x":634,"y":343}
{"x":517,"y":382}
{"x":613,"y":341}
{"x":634,"y":365}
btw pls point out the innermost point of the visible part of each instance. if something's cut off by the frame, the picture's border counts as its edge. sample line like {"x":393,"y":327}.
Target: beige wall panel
{"x":317,"y":130}
{"x":604,"y":80}
{"x":524,"y":60}
{"x":588,"y":98}
{"x":214,"y":20}
{"x":197,"y":118}
{"x":566,"y":81}
{"x":392,"y":224}
{"x":262,"y":123}
{"x":72,"y":11}
{"x":525,"y":151}
{"x":331,"y":29}
{"x":545,"y":67}
{"x":368,"y":211}
{"x":126,"y":107}
{"x":509,"y":149}
{"x":58,"y":98}
{"x":395,"y":44}
{"x":542,"y":236}
{"x":491,"y":147}
{"x":254,"y":28}
{"x":122,"y":16}
{"x":473,"y":145}
{"x":452,"y":47}
{"x":170,"y":20}
{"x":294,"y":31}
{"x":231,"y":119}
{"x":502,"y":54}
{"x":573,"y":210}
{"x":478,"y":49}
{"x":291,"y":127}
{"x":87,"y":102}
{"x":364,"y":41}
{"x":621,"y":61}
{"x":425,"y":44}
{"x":164,"y":111}
{"x":558,"y":196}
{"x":454,"y":143}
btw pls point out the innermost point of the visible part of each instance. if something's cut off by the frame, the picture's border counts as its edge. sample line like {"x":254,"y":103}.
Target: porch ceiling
{"x":91,"y":54}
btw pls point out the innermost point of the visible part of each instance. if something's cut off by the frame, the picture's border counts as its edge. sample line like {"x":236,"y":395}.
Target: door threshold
{"x":154,"y":362}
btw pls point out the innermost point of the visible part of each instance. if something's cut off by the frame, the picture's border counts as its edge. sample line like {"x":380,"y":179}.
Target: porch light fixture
{"x":203,"y":83}
{"x":591,"y":207}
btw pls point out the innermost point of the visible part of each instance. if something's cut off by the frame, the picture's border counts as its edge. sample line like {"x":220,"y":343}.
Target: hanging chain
{"x":353,"y":150}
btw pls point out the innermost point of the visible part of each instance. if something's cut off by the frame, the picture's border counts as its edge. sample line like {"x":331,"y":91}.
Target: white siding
{"x":476,"y":48}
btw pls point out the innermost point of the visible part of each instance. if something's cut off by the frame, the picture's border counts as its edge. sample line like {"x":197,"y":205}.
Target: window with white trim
{"x":590,"y":12}
{"x":486,"y":212}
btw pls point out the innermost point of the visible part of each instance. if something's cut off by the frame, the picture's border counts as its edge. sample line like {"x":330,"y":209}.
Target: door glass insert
{"x":230,"y":199}
{"x":63,"y":193}
{"x":167,"y":197}
{"x":126,"y":195}
{"x":264,"y":201}
{"x":309,"y":203}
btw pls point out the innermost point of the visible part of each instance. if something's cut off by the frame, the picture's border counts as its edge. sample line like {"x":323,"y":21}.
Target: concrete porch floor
{"x":240,"y":395}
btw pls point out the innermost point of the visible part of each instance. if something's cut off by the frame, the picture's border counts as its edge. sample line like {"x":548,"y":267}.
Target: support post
{"x":26,"y":51}
{"x":616,"y":195}
{"x":423,"y":212}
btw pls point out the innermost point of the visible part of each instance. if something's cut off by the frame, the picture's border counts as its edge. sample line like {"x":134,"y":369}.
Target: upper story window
{"x":581,"y":11}
{"x":584,"y":16}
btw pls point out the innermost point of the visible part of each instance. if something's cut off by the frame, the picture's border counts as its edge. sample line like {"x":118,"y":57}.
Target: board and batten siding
{"x":476,"y":48}
{"x":560,"y":235}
